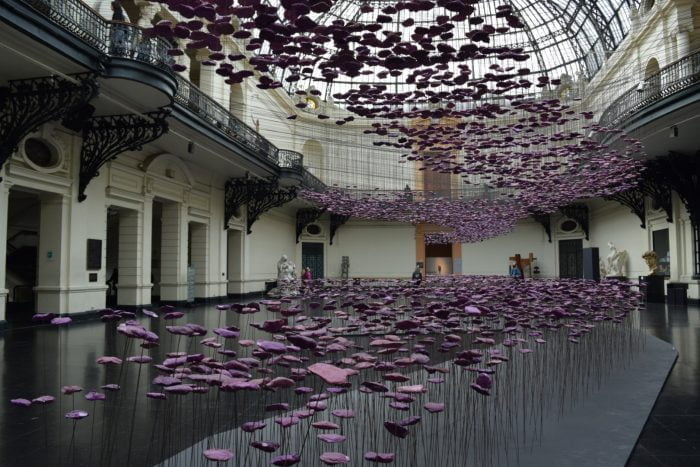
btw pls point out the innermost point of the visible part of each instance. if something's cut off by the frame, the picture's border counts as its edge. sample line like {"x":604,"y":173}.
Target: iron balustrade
{"x":112,"y":38}
{"x":311,"y":182}
{"x":676,"y":77}
{"x":130,"y":42}
{"x":77,"y":18}
{"x":290,"y":160}
{"x":191,"y":97}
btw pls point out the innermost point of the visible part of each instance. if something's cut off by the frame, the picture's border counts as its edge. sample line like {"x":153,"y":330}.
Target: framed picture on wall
{"x":94,"y":254}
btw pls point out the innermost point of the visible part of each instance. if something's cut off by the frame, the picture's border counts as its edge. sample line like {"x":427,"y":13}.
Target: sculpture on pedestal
{"x":652,"y":260}
{"x":615,"y":265}
{"x":287,"y":276}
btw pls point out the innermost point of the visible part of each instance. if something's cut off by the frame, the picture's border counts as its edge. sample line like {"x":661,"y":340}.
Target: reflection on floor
{"x":671,"y":436}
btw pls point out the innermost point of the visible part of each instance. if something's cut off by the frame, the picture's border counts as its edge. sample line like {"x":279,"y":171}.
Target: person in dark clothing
{"x":119,"y":33}
{"x":118,"y":11}
{"x":417,"y":276}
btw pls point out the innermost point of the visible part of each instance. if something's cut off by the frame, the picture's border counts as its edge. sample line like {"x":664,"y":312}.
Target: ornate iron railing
{"x":673,"y":78}
{"x":76,"y":17}
{"x":311,"y":182}
{"x":290,"y":160}
{"x":115,"y":39}
{"x":190,"y":96}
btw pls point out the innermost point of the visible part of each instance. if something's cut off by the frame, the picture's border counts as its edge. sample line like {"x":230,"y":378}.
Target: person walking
{"x":307,"y":277}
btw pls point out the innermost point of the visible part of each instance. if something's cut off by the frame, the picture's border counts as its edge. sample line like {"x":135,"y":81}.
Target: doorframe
{"x":559,"y":234}
{"x":301,"y":256}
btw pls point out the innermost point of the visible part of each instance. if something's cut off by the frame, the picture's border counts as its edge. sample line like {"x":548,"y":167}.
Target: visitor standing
{"x":307,"y":276}
{"x":417,"y":276}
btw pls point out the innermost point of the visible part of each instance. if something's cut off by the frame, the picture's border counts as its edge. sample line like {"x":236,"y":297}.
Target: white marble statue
{"x":286,"y":278}
{"x":286,"y":270}
{"x":616,"y":262}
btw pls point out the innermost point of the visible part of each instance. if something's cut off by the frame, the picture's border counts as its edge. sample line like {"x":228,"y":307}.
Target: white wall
{"x":612,"y":222}
{"x":375,"y":250}
{"x":491,"y":256}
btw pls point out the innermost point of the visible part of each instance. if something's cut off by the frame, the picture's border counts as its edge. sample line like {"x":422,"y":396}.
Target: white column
{"x":53,"y":256}
{"x":200,"y":258}
{"x":4,"y":205}
{"x":683,"y":43}
{"x":147,"y":255}
{"x":134,"y":287}
{"x":213,"y":84}
{"x":173,"y":253}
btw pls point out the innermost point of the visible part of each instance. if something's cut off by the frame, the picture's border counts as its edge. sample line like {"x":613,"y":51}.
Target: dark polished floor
{"x":671,"y":436}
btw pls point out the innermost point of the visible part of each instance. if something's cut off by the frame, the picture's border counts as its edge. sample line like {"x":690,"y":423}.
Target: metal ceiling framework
{"x":562,"y":36}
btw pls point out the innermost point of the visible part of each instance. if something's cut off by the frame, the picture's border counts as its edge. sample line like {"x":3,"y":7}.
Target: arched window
{"x":651,"y":76}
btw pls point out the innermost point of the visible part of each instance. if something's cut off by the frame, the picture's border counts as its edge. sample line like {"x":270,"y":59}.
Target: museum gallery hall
{"x":460,"y":233}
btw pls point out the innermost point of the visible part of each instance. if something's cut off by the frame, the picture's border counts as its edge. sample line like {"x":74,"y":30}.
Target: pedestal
{"x":654,"y":287}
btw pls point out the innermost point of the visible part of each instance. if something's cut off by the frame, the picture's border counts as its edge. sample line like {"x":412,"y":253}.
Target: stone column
{"x":211,"y":83}
{"x":173,"y":253}
{"x":147,"y":254}
{"x":133,"y":288}
{"x":4,"y":205}
{"x":683,"y":43}
{"x":53,"y":255}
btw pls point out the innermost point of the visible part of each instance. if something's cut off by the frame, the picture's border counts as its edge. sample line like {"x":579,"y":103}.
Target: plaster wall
{"x":374,"y":249}
{"x":491,"y":256}
{"x":612,"y":222}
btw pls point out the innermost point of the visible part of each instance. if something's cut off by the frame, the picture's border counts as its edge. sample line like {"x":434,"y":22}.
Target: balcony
{"x":674,"y":82}
{"x":119,"y":47}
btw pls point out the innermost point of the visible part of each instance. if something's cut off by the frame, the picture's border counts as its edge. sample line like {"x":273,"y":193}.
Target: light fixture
{"x":641,"y":86}
{"x":674,"y":132}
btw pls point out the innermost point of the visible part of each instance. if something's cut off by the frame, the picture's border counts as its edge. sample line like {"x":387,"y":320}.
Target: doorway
{"x":571,"y":259}
{"x":438,"y":259}
{"x":312,"y":258}
{"x":234,"y":260}
{"x":112,"y":256}
{"x":156,"y":240}
{"x":23,"y":219}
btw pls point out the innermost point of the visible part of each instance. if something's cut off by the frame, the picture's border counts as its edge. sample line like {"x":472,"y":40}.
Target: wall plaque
{"x":94,"y":254}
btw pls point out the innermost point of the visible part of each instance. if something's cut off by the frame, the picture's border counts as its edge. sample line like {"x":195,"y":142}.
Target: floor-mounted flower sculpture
{"x":382,"y":370}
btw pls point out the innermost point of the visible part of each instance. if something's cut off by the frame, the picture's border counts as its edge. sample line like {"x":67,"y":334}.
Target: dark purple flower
{"x":286,"y":459}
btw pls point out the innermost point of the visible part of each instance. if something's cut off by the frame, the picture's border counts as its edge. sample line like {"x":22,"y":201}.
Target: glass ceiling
{"x":562,"y":37}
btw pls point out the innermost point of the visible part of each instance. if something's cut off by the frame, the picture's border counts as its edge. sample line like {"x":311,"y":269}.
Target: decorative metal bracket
{"x":337,"y":220}
{"x":659,"y":192}
{"x":305,"y":217}
{"x":104,"y":138}
{"x":545,"y":221}
{"x":634,"y":200}
{"x":258,"y":194}
{"x":579,"y":213}
{"x":26,"y":104}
